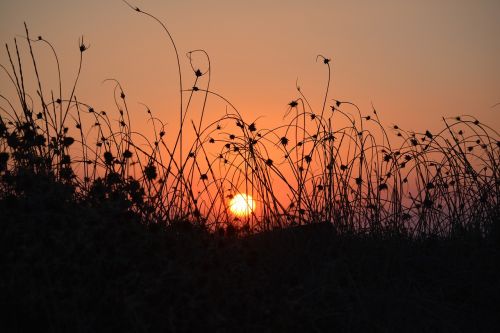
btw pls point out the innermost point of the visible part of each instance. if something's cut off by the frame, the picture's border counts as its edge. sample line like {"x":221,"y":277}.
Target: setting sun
{"x":242,"y":205}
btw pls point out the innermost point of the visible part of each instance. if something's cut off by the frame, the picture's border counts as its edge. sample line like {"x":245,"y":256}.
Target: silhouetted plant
{"x":330,"y":165}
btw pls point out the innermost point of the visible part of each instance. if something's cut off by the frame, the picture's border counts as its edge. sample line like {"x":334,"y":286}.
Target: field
{"x":357,"y":226}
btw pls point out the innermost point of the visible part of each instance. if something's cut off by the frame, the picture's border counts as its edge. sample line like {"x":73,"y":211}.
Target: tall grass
{"x":337,"y":164}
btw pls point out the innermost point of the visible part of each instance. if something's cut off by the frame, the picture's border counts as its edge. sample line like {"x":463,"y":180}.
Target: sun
{"x":242,"y":205}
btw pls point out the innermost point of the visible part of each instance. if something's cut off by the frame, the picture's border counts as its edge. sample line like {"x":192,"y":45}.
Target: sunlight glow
{"x":242,"y":205}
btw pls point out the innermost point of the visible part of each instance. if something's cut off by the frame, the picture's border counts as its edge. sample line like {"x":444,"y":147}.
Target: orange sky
{"x":415,"y":60}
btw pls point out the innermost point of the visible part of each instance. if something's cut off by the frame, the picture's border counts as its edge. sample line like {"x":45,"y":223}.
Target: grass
{"x":93,"y":272}
{"x":377,"y":229}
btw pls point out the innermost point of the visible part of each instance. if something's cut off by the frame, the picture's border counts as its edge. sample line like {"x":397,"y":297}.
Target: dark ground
{"x":75,"y":268}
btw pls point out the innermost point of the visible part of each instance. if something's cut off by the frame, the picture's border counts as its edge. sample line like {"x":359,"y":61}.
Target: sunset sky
{"x":414,"y":60}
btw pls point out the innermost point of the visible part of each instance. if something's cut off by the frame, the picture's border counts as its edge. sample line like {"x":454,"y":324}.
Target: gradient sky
{"x":414,"y":60}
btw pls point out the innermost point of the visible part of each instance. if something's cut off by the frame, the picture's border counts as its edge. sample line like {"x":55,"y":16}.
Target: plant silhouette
{"x":106,"y":228}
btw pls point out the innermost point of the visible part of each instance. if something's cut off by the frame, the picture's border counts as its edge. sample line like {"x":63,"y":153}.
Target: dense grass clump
{"x":358,"y":226}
